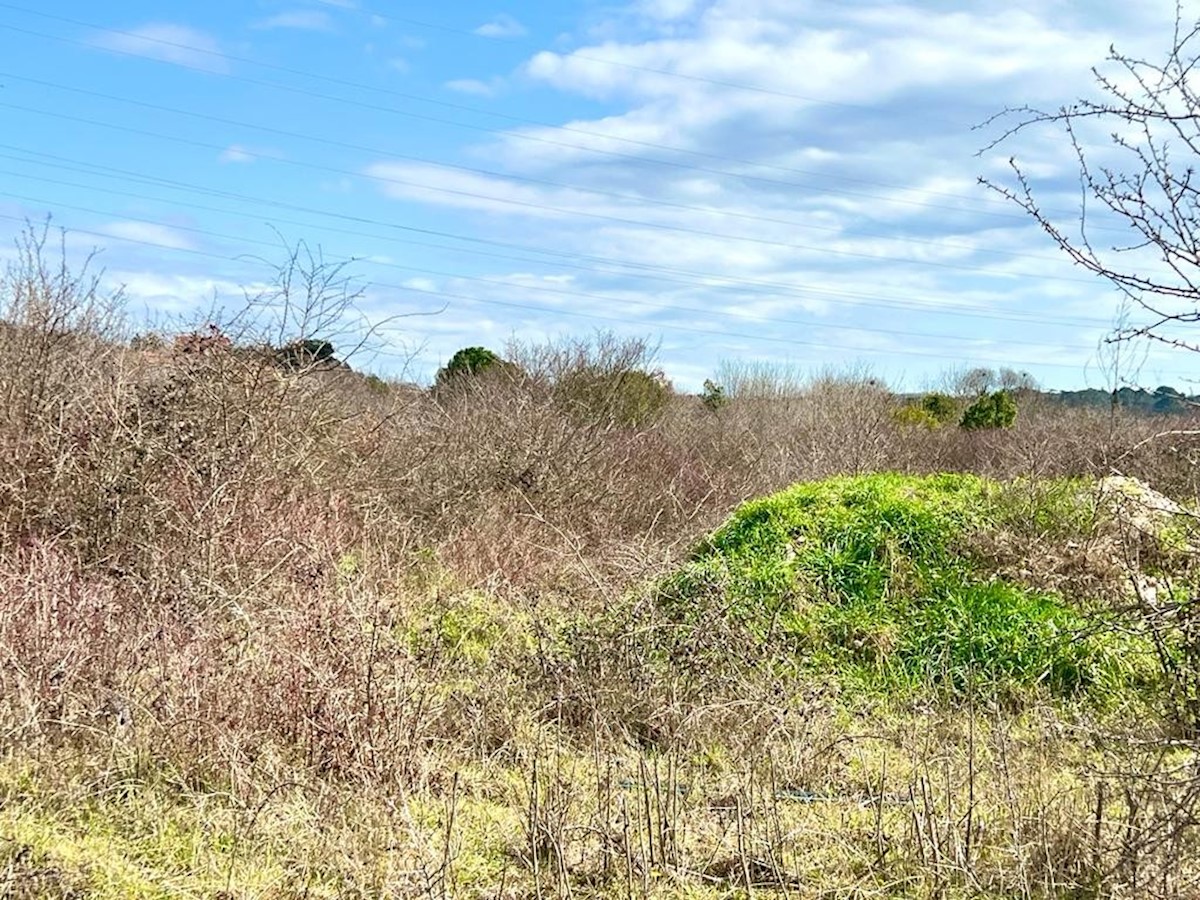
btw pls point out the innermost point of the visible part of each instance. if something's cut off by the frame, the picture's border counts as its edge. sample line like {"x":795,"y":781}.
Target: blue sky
{"x":783,"y":181}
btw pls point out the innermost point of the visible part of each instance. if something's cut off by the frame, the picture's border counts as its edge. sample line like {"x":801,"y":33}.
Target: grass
{"x":654,"y":826}
{"x":871,"y":579}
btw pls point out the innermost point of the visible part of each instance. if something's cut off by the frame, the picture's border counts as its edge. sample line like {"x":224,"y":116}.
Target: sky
{"x":746,"y":182}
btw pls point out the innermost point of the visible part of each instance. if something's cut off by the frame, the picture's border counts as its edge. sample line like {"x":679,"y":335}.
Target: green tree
{"x":713,"y":397}
{"x":941,"y":407}
{"x":467,"y":361}
{"x":1169,"y":400}
{"x":303,"y":353}
{"x":995,"y":410}
{"x":630,"y":398}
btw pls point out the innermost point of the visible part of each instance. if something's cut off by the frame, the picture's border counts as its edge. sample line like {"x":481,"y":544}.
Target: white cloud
{"x":837,"y":187}
{"x":503,"y":26}
{"x":149,"y":233}
{"x":237,"y":154}
{"x":770,"y":171}
{"x":297,"y":19}
{"x":475,"y":86}
{"x":667,"y":10}
{"x":178,"y":44}
{"x":175,"y":292}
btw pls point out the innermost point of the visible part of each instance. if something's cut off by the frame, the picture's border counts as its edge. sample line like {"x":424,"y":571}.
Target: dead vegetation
{"x":269,"y":630}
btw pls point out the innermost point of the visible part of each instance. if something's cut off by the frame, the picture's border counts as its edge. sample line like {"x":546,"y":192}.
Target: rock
{"x":1137,"y":505}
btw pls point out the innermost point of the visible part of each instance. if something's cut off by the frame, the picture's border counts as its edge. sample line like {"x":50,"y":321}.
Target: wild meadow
{"x":272,"y":628}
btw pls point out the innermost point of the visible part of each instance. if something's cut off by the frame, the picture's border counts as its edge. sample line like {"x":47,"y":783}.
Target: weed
{"x":869,"y":578}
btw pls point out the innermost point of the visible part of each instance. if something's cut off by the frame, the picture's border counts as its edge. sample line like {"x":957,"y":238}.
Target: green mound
{"x":872,"y":579}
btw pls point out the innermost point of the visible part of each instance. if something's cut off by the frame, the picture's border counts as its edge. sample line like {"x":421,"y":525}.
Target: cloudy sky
{"x":789,"y":181}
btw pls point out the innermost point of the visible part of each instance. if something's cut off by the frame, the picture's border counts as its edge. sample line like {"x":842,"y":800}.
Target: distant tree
{"x":630,"y":398}
{"x":148,"y":340}
{"x":942,"y":408}
{"x":1016,"y":382}
{"x":916,"y":416}
{"x":467,"y":361}
{"x":303,"y":353}
{"x":1169,"y":400}
{"x":713,"y":397}
{"x":975,"y":382}
{"x":995,"y":410}
{"x":376,"y":385}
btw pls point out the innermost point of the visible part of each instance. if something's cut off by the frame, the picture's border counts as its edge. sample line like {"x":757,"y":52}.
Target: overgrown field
{"x":272,"y":629}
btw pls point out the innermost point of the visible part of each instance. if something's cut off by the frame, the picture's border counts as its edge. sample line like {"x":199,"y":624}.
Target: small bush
{"x":376,"y":385}
{"x":198,"y":342}
{"x":916,"y":416}
{"x":995,"y":410}
{"x":304,"y":353}
{"x":628,"y":399}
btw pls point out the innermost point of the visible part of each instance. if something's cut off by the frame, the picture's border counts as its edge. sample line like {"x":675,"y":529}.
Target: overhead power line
{"x":524,"y":136}
{"x":444,"y":295}
{"x":684,"y":76}
{"x":558,"y":258}
{"x":475,"y":195}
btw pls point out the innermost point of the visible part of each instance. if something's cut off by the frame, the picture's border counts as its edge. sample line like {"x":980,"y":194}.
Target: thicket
{"x":333,"y":634}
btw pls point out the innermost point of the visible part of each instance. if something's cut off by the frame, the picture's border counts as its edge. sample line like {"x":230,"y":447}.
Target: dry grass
{"x":273,"y":632}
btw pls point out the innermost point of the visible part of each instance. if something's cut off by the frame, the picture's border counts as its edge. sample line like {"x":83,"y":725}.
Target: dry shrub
{"x":61,"y":360}
{"x":231,"y":567}
{"x":511,"y":478}
{"x":318,"y":679}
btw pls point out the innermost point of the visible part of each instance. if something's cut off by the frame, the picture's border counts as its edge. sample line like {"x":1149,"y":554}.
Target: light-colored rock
{"x":1137,"y":505}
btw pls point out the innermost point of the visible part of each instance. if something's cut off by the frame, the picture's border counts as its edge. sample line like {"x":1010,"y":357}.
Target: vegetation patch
{"x":872,"y":578}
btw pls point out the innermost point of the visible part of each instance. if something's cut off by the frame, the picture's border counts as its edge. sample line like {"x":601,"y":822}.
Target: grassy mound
{"x":872,"y":579}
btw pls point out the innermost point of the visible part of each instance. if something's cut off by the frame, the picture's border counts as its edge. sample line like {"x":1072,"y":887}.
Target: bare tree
{"x":1137,"y":145}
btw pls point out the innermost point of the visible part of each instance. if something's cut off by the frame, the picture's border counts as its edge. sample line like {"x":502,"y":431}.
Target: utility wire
{"x":611,"y":195}
{"x":444,"y":295}
{"x":758,"y":89}
{"x":525,"y":136}
{"x":560,"y":258}
{"x":475,"y":195}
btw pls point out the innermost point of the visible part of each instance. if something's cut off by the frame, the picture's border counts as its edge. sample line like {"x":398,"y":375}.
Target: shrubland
{"x":271,"y":628}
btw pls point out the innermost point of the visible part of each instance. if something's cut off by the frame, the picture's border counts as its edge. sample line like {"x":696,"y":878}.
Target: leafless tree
{"x":1137,"y":143}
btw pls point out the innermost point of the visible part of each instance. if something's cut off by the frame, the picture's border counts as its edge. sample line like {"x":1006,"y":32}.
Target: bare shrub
{"x":231,"y":571}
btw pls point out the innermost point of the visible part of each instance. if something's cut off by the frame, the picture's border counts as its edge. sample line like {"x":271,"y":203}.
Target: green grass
{"x":871,"y":578}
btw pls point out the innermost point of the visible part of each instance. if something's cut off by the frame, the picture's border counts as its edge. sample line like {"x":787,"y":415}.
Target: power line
{"x":758,"y":89}
{"x":478,"y":196}
{"x":539,"y":309}
{"x":517,"y":135}
{"x":632,"y":198}
{"x":600,"y":193}
{"x":489,"y":173}
{"x":642,"y":305}
{"x":773,"y":289}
